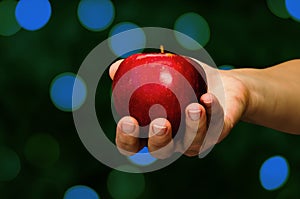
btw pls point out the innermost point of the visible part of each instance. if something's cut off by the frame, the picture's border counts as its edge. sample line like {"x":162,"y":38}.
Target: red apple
{"x":145,"y":80}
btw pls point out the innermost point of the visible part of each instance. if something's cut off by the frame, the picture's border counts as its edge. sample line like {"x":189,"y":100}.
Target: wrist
{"x":251,"y":81}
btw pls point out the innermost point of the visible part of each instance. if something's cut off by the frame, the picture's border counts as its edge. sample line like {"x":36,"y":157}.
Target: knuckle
{"x":191,"y":153}
{"x":159,"y":143}
{"x":161,"y":152}
{"x":127,"y":146}
{"x":193,"y":150}
{"x":125,"y":152}
{"x":160,"y":155}
{"x":192,"y":127}
{"x":127,"y":140}
{"x":194,"y":147}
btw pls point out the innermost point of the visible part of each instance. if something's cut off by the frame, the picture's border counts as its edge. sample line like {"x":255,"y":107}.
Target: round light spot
{"x":33,"y":14}
{"x":80,"y":192}
{"x":142,"y":158}
{"x":154,"y":109}
{"x":277,"y":7}
{"x":68,"y":92}
{"x":274,"y":172}
{"x":8,"y":23}
{"x":195,"y":27}
{"x":165,"y":77}
{"x":9,"y":164}
{"x":226,"y":67}
{"x":123,"y":185}
{"x":41,"y":150}
{"x":293,"y":8}
{"x":96,"y":15}
{"x":129,"y":42}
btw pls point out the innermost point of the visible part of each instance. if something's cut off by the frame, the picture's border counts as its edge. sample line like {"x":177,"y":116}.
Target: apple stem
{"x":162,"y":49}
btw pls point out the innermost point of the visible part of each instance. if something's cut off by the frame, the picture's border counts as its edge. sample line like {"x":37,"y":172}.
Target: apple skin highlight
{"x":148,"y":80}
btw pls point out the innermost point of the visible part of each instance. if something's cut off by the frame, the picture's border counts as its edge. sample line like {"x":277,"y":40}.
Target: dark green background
{"x":243,"y":34}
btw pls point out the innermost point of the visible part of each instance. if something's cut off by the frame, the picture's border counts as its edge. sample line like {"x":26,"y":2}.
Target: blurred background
{"x":42,"y":45}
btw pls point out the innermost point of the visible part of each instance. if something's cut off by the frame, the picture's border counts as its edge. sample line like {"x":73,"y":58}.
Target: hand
{"x":160,"y":129}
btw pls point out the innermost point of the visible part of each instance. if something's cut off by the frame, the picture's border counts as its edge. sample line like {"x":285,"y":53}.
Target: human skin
{"x":269,"y":97}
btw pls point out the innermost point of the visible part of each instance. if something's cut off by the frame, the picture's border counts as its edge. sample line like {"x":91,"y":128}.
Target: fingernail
{"x":159,"y":130}
{"x":194,"y":114}
{"x":127,"y":127}
{"x":208,"y":100}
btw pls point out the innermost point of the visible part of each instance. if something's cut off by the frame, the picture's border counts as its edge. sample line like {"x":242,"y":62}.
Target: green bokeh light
{"x":278,"y":8}
{"x":123,"y":185}
{"x":9,"y":164}
{"x":42,"y":150}
{"x":8,"y":23}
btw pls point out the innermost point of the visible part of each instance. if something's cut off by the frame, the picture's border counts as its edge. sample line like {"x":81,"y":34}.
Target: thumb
{"x":114,"y":67}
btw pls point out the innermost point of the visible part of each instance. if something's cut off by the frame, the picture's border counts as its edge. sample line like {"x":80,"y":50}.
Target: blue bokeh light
{"x":68,"y":92}
{"x":130,"y":42}
{"x":226,"y":67}
{"x":293,"y":8}
{"x":96,"y":15}
{"x":80,"y":192}
{"x":195,"y":27}
{"x":274,"y":172}
{"x":142,"y":158}
{"x":33,"y":14}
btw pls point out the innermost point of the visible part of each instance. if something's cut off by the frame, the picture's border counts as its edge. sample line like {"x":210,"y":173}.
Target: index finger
{"x":114,"y":67}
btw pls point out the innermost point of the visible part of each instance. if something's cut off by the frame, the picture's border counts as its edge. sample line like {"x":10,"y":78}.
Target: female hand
{"x":197,"y":114}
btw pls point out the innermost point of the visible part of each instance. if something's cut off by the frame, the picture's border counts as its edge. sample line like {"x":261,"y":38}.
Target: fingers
{"x":204,"y":124}
{"x":195,"y":128}
{"x":215,"y":120}
{"x":212,"y":105}
{"x":160,"y":142}
{"x":127,"y":139}
{"x":114,"y":67}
